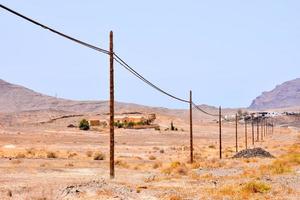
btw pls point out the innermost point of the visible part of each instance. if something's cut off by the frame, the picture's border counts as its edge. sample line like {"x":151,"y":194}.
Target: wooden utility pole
{"x":267,"y":127}
{"x":236,"y":133}
{"x":252,"y":129}
{"x":111,"y":107}
{"x":262,"y":130}
{"x":191,"y":128}
{"x":257,"y":130}
{"x":246,"y":135}
{"x":220,"y":132}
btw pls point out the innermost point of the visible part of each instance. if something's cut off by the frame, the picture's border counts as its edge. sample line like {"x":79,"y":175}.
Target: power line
{"x":116,"y":57}
{"x":139,"y":76}
{"x":55,"y":31}
{"x":205,"y":112}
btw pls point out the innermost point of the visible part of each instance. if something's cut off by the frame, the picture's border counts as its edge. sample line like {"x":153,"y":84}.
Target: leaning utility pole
{"x":111,"y":107}
{"x":220,"y":132}
{"x":191,"y":129}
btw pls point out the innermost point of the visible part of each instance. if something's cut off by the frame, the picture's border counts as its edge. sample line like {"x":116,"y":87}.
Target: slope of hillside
{"x":16,"y":100}
{"x":285,"y":95}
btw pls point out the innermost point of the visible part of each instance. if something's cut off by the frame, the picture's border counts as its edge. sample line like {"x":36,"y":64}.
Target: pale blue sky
{"x":227,"y":52}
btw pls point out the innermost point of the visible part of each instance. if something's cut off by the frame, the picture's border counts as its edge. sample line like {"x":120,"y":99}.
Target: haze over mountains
{"x":284,"y":95}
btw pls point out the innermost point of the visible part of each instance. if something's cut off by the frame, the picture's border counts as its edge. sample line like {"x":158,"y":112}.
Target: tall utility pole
{"x":236,"y":133}
{"x":246,"y":135}
{"x":252,"y":129}
{"x":257,"y":130}
{"x":262,"y":130}
{"x":191,"y":129}
{"x":111,"y":107}
{"x":220,"y":132}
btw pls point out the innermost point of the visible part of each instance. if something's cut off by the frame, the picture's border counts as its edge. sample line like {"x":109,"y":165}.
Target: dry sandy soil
{"x":51,"y":161}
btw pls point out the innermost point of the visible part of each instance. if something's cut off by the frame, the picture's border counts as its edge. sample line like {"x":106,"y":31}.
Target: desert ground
{"x":44,"y":159}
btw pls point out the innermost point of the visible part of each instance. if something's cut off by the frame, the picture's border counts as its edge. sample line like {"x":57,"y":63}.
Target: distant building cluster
{"x":125,"y":119}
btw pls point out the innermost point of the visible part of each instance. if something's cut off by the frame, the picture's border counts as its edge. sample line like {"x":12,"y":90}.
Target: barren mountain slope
{"x":284,"y":95}
{"x":15,"y":99}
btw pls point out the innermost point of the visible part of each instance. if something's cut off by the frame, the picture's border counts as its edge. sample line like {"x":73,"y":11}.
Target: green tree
{"x":84,"y":125}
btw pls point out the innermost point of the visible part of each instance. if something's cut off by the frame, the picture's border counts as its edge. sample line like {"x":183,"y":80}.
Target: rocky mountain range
{"x":284,"y":95}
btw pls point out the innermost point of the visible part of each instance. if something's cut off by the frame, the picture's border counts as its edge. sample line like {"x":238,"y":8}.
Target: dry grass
{"x":285,"y":163}
{"x":241,"y":191}
{"x":175,"y":168}
{"x":256,"y":187}
{"x":152,"y":157}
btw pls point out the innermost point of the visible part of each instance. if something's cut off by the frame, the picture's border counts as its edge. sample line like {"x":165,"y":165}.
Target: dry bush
{"x":20,"y":155}
{"x":51,"y":154}
{"x":241,"y":191}
{"x":182,"y":170}
{"x":69,"y":165}
{"x":99,"y":156}
{"x":212,"y":146}
{"x":31,"y":151}
{"x":72,"y":155}
{"x":121,"y":163}
{"x":44,"y":165}
{"x":176,"y":168}
{"x":155,"y":148}
{"x":256,"y":187}
{"x":161,"y":151}
{"x":195,"y":165}
{"x":156,"y":165}
{"x":175,"y":197}
{"x":152,"y":157}
{"x":89,"y":154}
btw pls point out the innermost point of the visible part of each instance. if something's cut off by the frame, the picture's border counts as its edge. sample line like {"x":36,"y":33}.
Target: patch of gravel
{"x":220,"y":172}
{"x":74,"y":191}
{"x":255,"y":152}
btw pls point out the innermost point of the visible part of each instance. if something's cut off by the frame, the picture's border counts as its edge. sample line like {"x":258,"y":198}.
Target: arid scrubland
{"x":46,"y":162}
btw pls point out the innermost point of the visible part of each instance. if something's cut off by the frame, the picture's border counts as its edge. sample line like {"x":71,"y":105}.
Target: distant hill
{"x":282,"y":96}
{"x":18,"y":101}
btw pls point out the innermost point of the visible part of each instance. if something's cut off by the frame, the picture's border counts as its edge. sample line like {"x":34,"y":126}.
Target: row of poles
{"x":262,"y":123}
{"x":264,"y":126}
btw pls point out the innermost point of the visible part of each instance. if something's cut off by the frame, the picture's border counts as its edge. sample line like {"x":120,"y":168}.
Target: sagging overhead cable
{"x":55,"y":31}
{"x":135,"y":73}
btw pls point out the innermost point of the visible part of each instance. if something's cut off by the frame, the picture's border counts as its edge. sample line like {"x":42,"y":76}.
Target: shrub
{"x":152,"y":157}
{"x":99,"y":156}
{"x":130,"y":124}
{"x":89,"y":154}
{"x":119,"y":124}
{"x":84,"y":125}
{"x":20,"y":155}
{"x":51,"y":155}
{"x":256,"y":187}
